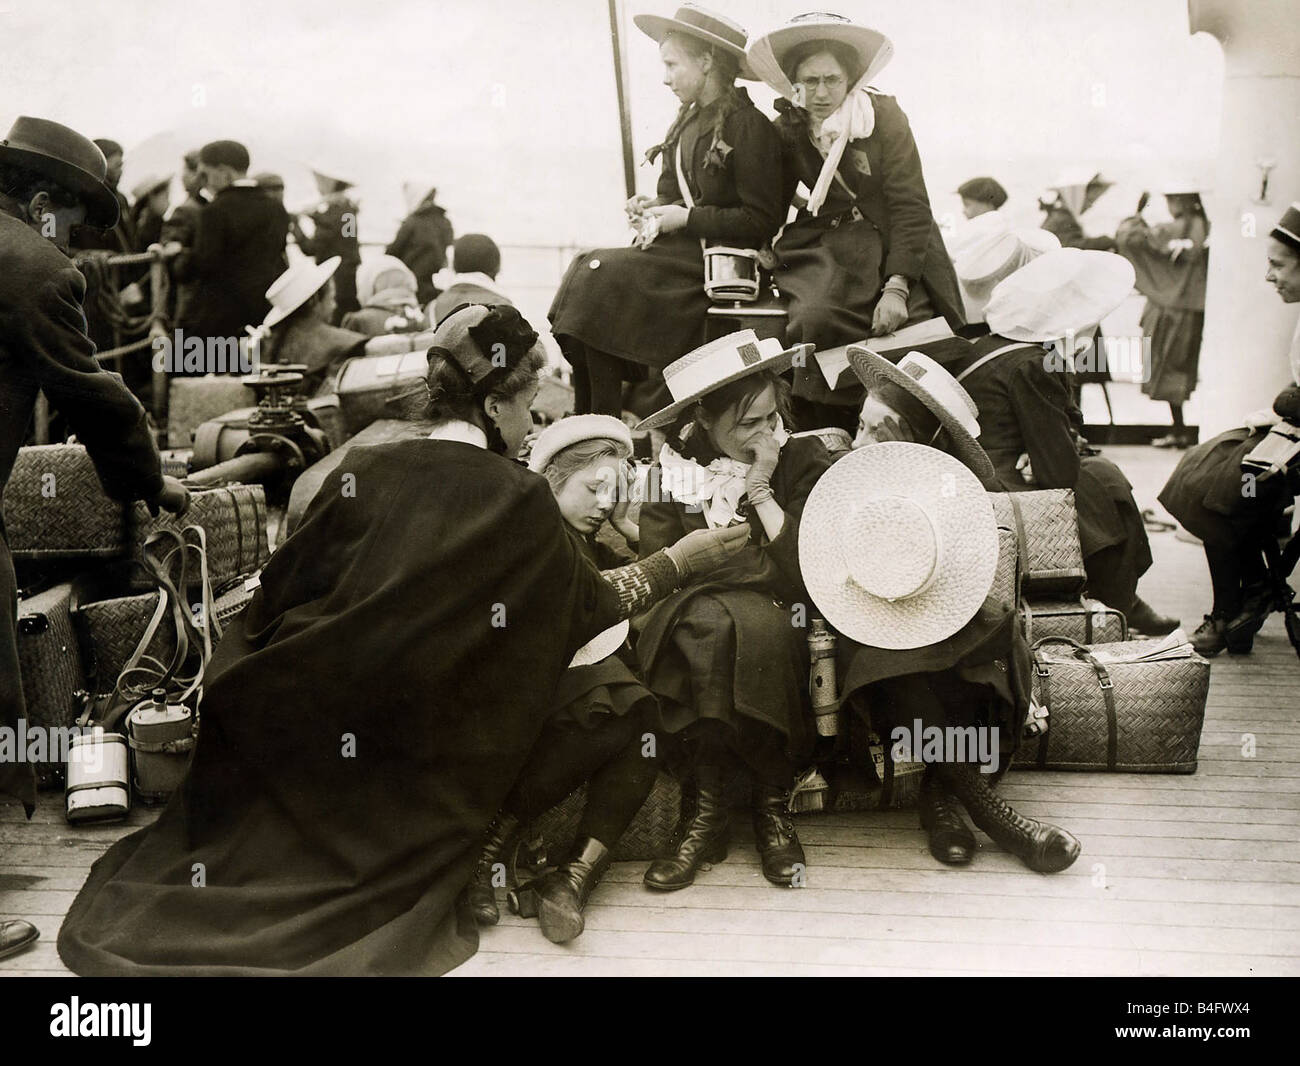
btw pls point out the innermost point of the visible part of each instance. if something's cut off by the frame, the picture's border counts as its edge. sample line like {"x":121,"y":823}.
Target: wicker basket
{"x":234,"y":520}
{"x":1086,"y":621}
{"x":193,"y":401}
{"x":110,"y":629}
{"x":1132,"y":717}
{"x":1052,"y":560}
{"x":55,"y":507}
{"x":49,"y":661}
{"x":650,"y":836}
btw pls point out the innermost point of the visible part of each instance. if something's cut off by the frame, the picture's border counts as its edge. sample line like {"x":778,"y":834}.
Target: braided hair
{"x":714,"y":114}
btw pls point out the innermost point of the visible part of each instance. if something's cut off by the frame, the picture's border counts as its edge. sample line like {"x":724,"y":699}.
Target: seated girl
{"x":386,"y":291}
{"x":949,"y":652}
{"x":728,"y":659}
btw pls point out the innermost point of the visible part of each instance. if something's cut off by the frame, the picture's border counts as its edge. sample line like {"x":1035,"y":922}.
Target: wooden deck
{"x":1180,"y":875}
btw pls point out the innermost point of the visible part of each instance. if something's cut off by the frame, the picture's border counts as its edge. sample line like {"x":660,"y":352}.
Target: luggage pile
{"x":107,"y":590}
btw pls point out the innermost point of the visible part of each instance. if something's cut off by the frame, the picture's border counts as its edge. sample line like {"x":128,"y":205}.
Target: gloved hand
{"x":891,"y":312}
{"x":767,"y":453}
{"x":707,"y":549}
{"x":173,"y":497}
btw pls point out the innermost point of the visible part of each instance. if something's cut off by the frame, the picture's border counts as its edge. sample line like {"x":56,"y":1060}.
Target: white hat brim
{"x":573,"y":430}
{"x":768,"y":52}
{"x":657,"y":27}
{"x":963,"y":515}
{"x":323,"y":272}
{"x":1014,"y":309}
{"x":777,"y":364}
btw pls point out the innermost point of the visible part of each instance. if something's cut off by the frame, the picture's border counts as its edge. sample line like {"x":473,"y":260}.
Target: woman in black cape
{"x":365,"y":716}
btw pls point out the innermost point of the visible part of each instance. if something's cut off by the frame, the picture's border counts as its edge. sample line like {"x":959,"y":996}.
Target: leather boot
{"x":1042,"y":847}
{"x":482,"y":896}
{"x":705,"y":835}
{"x":779,"y":849}
{"x":556,"y":899}
{"x":951,"y":842}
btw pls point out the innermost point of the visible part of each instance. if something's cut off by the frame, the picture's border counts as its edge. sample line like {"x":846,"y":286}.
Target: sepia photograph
{"x":615,"y":488}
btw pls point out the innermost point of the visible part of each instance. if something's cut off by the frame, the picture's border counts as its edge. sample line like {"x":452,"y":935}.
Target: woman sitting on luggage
{"x":604,"y":710}
{"x":386,"y":291}
{"x":620,"y":310}
{"x":1018,"y":373}
{"x":865,"y":255}
{"x":900,"y":550}
{"x":728,"y":658}
{"x":367,"y":714}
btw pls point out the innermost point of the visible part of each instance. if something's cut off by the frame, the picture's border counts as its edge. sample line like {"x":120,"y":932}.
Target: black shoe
{"x":1208,"y":640}
{"x":951,"y":842}
{"x":1044,"y":848}
{"x":482,"y":894}
{"x":779,"y":849}
{"x":1256,"y":606}
{"x":15,"y":936}
{"x":1143,"y":618}
{"x":557,"y":899}
{"x":705,"y":835}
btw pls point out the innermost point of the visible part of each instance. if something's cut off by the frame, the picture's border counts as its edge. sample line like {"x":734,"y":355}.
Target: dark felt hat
{"x":1287,"y":229}
{"x":66,"y":157}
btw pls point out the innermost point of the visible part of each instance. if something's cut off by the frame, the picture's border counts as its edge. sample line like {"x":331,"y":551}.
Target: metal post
{"x":158,"y":328}
{"x":624,"y":117}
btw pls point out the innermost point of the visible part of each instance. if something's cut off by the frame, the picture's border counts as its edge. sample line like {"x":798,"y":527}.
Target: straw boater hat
{"x":150,"y":185}
{"x":704,"y":25}
{"x":1061,"y":292}
{"x":719,"y":363}
{"x":296,"y":286}
{"x":573,"y":430}
{"x":65,"y":156}
{"x":898,"y":545}
{"x":927,"y":382}
{"x":767,"y":53}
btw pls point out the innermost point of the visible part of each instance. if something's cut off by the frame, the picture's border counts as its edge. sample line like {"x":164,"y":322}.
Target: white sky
{"x":508,"y":106}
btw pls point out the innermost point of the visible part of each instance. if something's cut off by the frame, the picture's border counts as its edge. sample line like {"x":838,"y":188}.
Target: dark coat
{"x":44,"y":348}
{"x":1061,"y":222}
{"x":182,"y":226}
{"x":728,"y":647}
{"x":647,"y":306}
{"x":421,"y":243}
{"x":1026,"y":409}
{"x":238,"y":252}
{"x":414,"y":619}
{"x":335,"y":221}
{"x":322,"y":348}
{"x":834,"y":265}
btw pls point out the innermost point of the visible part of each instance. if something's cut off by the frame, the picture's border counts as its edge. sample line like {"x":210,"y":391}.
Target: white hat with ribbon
{"x":719,"y":363}
{"x":1060,"y":293}
{"x":296,"y":286}
{"x":898,"y":545}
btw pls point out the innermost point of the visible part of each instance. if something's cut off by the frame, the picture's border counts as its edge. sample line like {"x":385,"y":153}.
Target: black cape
{"x":424,"y":610}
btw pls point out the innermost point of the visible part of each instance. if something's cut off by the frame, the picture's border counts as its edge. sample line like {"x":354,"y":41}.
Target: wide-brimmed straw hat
{"x":898,"y":545}
{"x":150,"y":185}
{"x":767,"y":53}
{"x":1062,"y":292}
{"x":719,"y":363}
{"x":296,"y":286}
{"x":575,"y":429}
{"x":66,"y":157}
{"x":982,"y":264}
{"x":704,"y":25}
{"x":926,"y":381}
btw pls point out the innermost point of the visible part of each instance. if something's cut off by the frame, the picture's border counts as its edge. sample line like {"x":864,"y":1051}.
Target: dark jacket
{"x":1062,"y":223}
{"x":421,"y":243}
{"x":44,"y":348}
{"x":238,"y":252}
{"x":182,"y":226}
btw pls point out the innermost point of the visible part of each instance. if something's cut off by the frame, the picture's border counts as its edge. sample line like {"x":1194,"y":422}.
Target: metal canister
{"x":822,"y":686}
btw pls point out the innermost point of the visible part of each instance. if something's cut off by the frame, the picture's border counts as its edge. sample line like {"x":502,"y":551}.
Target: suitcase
{"x":365,"y":385}
{"x":55,"y":507}
{"x":234,"y":519}
{"x":109,"y":629}
{"x":54,"y":680}
{"x":1048,"y":529}
{"x":1117,"y":707}
{"x":193,"y":401}
{"x":1087,"y":621}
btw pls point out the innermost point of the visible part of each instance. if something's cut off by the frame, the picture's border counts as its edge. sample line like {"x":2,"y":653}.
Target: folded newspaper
{"x":835,"y":361}
{"x":1174,"y":646}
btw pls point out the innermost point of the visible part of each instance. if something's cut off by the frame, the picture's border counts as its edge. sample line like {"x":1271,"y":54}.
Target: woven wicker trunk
{"x":1052,"y":559}
{"x":1086,"y":621}
{"x":49,"y":658}
{"x":55,"y":507}
{"x":193,"y":401}
{"x":650,"y":836}
{"x":234,"y":520}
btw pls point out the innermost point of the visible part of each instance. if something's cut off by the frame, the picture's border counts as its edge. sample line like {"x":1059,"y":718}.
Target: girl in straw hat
{"x":865,"y":255}
{"x":596,"y":734}
{"x":1019,"y":374}
{"x":901,"y":554}
{"x":720,"y":182}
{"x":728,"y":659}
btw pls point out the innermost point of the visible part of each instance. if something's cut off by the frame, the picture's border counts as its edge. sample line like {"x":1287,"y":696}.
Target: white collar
{"x":446,"y":278}
{"x":460,"y":431}
{"x":243,"y":183}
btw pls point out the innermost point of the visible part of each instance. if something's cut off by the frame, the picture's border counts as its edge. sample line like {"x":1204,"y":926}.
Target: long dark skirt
{"x":645,"y":306}
{"x":586,"y":695}
{"x":1175,"y":351}
{"x":1116,"y":550}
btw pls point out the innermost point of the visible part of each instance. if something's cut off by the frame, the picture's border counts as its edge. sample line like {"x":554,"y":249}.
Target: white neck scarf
{"x":715,"y":489}
{"x":853,"y":120}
